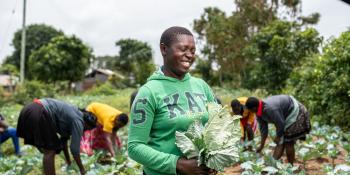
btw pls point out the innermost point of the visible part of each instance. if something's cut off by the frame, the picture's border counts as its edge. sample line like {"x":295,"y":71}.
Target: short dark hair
{"x":252,"y":102}
{"x":170,"y":34}
{"x":123,"y":118}
{"x":89,"y":118}
{"x":235,"y":103}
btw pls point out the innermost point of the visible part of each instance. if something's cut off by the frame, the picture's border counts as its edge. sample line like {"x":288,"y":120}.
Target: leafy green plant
{"x":306,"y":154}
{"x":321,"y":147}
{"x":251,"y":167}
{"x":333,"y":153}
{"x":13,"y":165}
{"x":33,"y":89}
{"x":346,"y":147}
{"x":247,"y":155}
{"x":268,"y":165}
{"x":342,"y":169}
{"x":287,"y":169}
{"x":322,"y":83}
{"x":215,"y":144}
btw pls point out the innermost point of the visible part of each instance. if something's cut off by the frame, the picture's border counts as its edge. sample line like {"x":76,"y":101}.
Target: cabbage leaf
{"x":217,"y":143}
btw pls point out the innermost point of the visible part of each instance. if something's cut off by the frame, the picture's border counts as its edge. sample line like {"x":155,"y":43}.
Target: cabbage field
{"x":325,"y":151}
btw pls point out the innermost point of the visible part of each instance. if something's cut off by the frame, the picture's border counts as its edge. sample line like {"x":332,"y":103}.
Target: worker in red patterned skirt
{"x":248,"y":120}
{"x":104,"y":136}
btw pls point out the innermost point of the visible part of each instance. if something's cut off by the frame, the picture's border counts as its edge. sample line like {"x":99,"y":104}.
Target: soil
{"x":313,"y":166}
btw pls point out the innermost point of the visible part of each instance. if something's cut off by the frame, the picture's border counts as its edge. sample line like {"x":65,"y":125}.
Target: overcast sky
{"x":101,"y":23}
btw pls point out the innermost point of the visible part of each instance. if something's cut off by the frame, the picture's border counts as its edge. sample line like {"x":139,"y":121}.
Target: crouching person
{"x":104,"y":136}
{"x":248,"y":121}
{"x":40,"y":122}
{"x":7,"y":132}
{"x":290,"y":117}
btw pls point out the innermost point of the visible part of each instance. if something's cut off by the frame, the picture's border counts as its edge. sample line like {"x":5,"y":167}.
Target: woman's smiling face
{"x":179,"y":56}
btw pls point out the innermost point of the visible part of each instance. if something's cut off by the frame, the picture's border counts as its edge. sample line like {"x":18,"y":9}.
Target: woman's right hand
{"x":190,"y":167}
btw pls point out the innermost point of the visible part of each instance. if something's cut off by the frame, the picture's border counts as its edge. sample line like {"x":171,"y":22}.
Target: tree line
{"x":52,"y":56}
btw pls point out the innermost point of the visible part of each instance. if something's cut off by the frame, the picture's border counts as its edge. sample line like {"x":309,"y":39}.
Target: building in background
{"x":95,"y":77}
{"x":8,"y":82}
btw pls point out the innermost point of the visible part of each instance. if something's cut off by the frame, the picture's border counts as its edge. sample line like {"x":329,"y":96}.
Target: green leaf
{"x":220,"y":159}
{"x":26,"y":170}
{"x":186,"y":145}
{"x":247,"y":165}
{"x":222,"y":130}
{"x":342,"y":168}
{"x":270,"y":170}
{"x":215,"y":144}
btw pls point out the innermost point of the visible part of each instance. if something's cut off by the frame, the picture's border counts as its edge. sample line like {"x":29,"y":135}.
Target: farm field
{"x":325,"y":151}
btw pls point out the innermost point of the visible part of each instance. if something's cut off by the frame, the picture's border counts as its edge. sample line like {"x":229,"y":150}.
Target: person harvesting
{"x":104,"y":136}
{"x":290,"y":117}
{"x":48,"y":124}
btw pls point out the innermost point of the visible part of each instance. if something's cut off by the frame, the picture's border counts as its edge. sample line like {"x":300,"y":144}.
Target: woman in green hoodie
{"x":162,"y":106}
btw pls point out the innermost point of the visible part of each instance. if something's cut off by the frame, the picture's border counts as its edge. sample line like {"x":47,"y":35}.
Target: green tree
{"x":37,"y":35}
{"x":275,"y":51}
{"x":64,"y":58}
{"x":221,"y":34}
{"x":226,"y":36}
{"x":203,"y":68}
{"x":323,"y":82}
{"x":25,"y":93}
{"x":106,"y":62}
{"x":9,"y":69}
{"x":135,"y":60}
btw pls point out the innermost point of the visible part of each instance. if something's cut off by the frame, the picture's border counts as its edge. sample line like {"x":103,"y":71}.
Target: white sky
{"x":101,"y":23}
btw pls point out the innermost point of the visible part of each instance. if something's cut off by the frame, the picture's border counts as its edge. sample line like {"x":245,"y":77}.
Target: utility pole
{"x":23,"y":43}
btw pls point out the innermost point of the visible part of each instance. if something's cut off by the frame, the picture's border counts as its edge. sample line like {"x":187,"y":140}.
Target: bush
{"x":104,"y":89}
{"x":33,"y":89}
{"x":3,"y":98}
{"x":275,"y":51}
{"x":323,"y":83}
{"x":120,"y":99}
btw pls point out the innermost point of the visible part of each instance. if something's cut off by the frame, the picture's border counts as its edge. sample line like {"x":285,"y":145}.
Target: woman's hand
{"x":190,"y":167}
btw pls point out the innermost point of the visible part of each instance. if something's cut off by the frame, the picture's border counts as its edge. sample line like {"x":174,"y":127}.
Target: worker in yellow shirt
{"x":104,"y":136}
{"x":248,"y":120}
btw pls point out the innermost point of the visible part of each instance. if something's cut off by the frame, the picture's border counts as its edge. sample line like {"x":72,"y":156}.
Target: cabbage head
{"x":216,"y":144}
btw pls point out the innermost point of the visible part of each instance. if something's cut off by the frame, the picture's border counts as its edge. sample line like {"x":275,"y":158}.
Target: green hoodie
{"x":162,"y":106}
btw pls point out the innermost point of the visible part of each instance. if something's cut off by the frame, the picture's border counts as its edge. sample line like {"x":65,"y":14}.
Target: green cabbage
{"x":215,"y":145}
